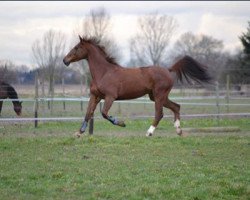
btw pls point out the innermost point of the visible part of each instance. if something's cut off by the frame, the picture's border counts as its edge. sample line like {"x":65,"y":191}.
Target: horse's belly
{"x":132,"y":91}
{"x":130,"y":96}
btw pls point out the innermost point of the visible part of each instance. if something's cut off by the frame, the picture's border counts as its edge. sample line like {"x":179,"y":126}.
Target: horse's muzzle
{"x":66,"y":62}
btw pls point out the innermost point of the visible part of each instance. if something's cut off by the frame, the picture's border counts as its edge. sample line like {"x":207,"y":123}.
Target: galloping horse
{"x":7,"y":91}
{"x":112,"y":82}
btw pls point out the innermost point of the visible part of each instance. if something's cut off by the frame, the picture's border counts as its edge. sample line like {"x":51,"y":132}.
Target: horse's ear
{"x":81,"y":40}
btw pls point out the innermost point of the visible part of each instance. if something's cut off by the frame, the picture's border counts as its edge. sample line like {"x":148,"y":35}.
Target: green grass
{"x":121,"y":163}
{"x":97,"y":167}
{"x":103,"y":127}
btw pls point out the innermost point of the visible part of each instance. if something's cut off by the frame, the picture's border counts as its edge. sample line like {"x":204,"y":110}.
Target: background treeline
{"x":152,"y":45}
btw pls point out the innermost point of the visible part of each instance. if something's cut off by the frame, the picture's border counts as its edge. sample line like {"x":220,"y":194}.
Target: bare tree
{"x":97,"y":23}
{"x":149,"y":45}
{"x":47,"y":52}
{"x":198,"y":46}
{"x":203,"y":48}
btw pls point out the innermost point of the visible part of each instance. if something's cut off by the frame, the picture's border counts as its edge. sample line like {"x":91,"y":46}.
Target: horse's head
{"x":79,"y":52}
{"x":18,"y":107}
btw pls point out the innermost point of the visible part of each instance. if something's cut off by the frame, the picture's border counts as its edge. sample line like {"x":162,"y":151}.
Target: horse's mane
{"x":10,"y":90}
{"x":97,"y":42}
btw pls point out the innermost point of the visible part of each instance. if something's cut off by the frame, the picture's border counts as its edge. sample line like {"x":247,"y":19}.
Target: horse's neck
{"x":12,"y":94}
{"x":98,"y":65}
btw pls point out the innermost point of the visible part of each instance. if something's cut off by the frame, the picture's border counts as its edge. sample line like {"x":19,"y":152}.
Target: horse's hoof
{"x":121,"y":123}
{"x":149,"y":134}
{"x":182,"y":134}
{"x":78,"y":134}
{"x":179,"y":131}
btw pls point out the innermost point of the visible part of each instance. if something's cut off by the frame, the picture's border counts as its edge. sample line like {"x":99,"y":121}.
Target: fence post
{"x":63,"y":87}
{"x":81,"y":95}
{"x":217,"y":101}
{"x":91,"y":126}
{"x":228,"y":92}
{"x":43,"y":95}
{"x":52,"y":97}
{"x":36,"y":99}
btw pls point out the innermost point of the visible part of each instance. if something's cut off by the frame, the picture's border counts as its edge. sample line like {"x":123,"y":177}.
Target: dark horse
{"x":112,"y":82}
{"x":7,"y":91}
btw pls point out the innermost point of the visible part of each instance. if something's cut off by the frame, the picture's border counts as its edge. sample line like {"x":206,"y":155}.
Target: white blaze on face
{"x":150,"y":131}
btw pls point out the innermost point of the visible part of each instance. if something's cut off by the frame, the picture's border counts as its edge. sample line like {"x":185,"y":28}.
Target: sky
{"x":22,"y":22}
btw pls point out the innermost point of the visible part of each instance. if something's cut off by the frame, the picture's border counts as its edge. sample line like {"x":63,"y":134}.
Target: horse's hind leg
{"x":176,"y":110}
{"x":159,"y":101}
{"x":107,"y":105}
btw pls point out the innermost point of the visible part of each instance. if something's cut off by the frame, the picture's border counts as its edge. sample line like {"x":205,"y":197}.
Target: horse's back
{"x":149,"y":75}
{"x":158,"y":75}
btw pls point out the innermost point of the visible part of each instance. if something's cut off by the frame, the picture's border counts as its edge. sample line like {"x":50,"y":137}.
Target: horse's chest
{"x":96,"y":91}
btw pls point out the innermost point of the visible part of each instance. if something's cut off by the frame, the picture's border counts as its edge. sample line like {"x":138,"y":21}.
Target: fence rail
{"x":133,"y":117}
{"x":211,"y":101}
{"x":139,"y":100}
{"x":195,"y":103}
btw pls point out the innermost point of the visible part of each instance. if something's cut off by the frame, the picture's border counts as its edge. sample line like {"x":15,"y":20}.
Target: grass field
{"x":121,"y":163}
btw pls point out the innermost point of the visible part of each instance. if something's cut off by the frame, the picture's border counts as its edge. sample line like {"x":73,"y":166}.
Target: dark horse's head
{"x":17,"y":107}
{"x":79,"y":52}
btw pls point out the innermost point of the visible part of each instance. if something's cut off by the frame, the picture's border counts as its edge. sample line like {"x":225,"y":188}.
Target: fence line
{"x":131,"y":117}
{"x":142,"y":100}
{"x":139,"y":101}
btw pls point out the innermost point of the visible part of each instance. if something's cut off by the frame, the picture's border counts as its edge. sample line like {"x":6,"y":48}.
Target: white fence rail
{"x":213,"y":102}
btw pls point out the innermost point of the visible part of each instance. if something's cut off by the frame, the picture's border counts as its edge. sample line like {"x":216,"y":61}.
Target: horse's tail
{"x":190,"y":69}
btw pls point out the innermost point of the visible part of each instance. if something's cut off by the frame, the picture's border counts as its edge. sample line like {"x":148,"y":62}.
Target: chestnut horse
{"x":112,"y":82}
{"x":7,"y":91}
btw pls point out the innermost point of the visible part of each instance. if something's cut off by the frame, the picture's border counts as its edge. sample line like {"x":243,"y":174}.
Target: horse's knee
{"x":104,"y":115}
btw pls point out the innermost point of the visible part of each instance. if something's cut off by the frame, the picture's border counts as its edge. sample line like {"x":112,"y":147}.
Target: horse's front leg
{"x":94,"y":100}
{"x":107,"y":105}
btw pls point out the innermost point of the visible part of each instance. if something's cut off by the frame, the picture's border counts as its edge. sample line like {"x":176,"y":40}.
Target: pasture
{"x":121,"y":163}
{"x":48,"y":162}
